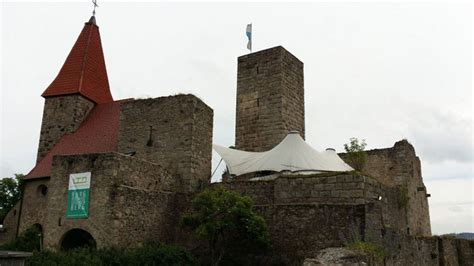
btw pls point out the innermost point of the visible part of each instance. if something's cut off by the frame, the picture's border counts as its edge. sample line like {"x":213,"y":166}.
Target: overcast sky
{"x":378,"y":71}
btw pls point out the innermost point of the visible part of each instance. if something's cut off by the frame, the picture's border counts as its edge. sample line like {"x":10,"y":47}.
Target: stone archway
{"x":39,"y":229}
{"x":77,"y":238}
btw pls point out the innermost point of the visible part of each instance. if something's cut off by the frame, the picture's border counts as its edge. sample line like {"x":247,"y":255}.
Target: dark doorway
{"x":77,"y":238}
{"x":39,"y":230}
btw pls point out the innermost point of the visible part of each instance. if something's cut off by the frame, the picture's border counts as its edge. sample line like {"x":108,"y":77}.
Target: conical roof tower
{"x":80,"y":85}
{"x":84,"y":70}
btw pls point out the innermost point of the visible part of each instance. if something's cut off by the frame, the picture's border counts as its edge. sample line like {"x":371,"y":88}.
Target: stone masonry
{"x":117,"y":214}
{"x":164,"y":156}
{"x":159,"y":157}
{"x":399,"y":169}
{"x":175,"y":132}
{"x":270,"y":99}
{"x":61,"y":115}
{"x":308,"y":213}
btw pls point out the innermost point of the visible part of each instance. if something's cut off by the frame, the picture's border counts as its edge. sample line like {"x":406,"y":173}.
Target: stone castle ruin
{"x":121,"y":172}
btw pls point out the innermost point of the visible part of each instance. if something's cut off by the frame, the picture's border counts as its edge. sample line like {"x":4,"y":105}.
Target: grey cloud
{"x":441,"y":136}
{"x":456,"y":209}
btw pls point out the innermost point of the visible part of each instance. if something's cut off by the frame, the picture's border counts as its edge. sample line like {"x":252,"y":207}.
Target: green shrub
{"x":227,"y":220}
{"x":149,"y":254}
{"x":153,"y":254}
{"x":76,"y":257}
{"x":356,"y":155}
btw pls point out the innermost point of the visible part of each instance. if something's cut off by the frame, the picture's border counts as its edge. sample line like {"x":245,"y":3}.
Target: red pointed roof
{"x":97,"y":134}
{"x":84,"y":70}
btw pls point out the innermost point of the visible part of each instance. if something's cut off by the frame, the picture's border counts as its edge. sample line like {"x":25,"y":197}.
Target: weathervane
{"x":95,"y":5}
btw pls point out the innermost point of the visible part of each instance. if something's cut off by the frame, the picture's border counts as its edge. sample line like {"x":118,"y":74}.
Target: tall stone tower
{"x":81,"y":83}
{"x":270,"y":99}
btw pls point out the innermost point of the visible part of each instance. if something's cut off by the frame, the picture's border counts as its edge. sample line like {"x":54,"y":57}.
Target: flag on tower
{"x":249,"y":36}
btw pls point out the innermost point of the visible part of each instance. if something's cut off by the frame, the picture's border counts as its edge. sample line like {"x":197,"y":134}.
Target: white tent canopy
{"x":292,"y":154}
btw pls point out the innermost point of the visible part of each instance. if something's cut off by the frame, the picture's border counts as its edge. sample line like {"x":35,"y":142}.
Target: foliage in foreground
{"x":227,"y":221}
{"x":29,"y":241}
{"x":10,"y":190}
{"x":150,"y":254}
{"x":355,"y":153}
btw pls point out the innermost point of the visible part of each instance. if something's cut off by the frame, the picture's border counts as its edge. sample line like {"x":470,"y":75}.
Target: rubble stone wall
{"x":399,"y":167}
{"x":61,"y":115}
{"x":308,"y":213}
{"x":128,"y":197}
{"x":34,"y":207}
{"x":175,"y":132}
{"x":410,"y":250}
{"x":10,"y":223}
{"x":343,"y":188}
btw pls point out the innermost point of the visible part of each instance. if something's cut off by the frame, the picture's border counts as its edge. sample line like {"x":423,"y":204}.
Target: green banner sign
{"x":78,"y":195}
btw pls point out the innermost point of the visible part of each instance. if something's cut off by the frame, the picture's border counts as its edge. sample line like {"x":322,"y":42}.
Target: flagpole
{"x":248,"y":32}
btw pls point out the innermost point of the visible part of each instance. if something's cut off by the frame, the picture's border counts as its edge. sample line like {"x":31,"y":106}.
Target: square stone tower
{"x":270,"y":99}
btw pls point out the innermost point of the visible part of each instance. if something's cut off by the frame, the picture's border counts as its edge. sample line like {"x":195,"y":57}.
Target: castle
{"x":122,"y":172}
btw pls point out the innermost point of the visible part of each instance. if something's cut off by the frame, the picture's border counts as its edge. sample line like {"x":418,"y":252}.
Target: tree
{"x":356,"y":155}
{"x":29,"y":241}
{"x":10,"y":191}
{"x":227,"y":221}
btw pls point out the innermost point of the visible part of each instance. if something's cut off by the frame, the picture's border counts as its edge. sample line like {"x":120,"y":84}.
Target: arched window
{"x":42,"y":190}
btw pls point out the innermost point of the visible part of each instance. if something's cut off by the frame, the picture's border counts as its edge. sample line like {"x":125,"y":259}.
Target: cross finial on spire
{"x":95,"y":5}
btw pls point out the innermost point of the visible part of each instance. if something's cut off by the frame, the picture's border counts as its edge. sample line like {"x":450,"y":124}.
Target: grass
{"x":372,"y":249}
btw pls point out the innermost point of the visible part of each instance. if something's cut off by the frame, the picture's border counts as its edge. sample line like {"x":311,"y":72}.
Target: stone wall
{"x":9,"y":223}
{"x":32,"y":211}
{"x":103,"y":168}
{"x":299,"y":230}
{"x":34,"y":208}
{"x":270,"y":99}
{"x":142,"y":215}
{"x":143,"y":197}
{"x":61,"y":115}
{"x":308,"y":213}
{"x":175,"y":132}
{"x":342,"y":188}
{"x":410,"y":250}
{"x":129,"y":199}
{"x":400,"y":169}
